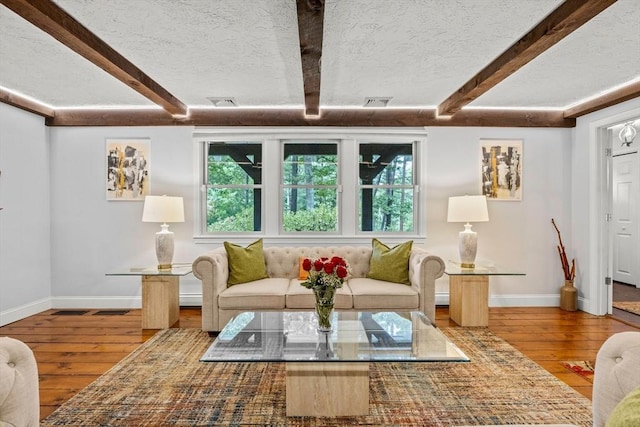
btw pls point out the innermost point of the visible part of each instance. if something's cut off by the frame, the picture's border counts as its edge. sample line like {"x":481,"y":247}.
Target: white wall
{"x":519,"y":235}
{"x":91,"y":236}
{"x":25,"y":244}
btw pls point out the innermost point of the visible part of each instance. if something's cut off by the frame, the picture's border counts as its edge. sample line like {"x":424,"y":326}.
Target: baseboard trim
{"x":96,"y":302}
{"x":538,"y":300}
{"x":516,"y":300}
{"x":18,"y":313}
{"x":191,"y":299}
{"x":195,"y":299}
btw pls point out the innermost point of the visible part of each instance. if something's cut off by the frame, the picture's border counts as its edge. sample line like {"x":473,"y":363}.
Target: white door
{"x":626,"y":192}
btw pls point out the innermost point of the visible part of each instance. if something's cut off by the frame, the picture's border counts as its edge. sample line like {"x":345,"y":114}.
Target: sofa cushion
{"x":245,"y":264}
{"x":390,"y":264}
{"x":377,"y":294}
{"x":299,"y":297}
{"x":259,"y":294}
{"x":627,"y":411}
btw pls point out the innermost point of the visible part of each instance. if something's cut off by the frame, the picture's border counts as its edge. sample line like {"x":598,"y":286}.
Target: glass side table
{"x":469,"y":291}
{"x":160,"y":294}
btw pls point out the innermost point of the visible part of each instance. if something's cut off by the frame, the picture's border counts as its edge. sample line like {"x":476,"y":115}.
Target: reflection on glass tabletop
{"x":482,"y":268}
{"x":291,"y":336}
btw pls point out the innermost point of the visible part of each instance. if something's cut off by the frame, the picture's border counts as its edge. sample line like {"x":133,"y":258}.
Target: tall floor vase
{"x":568,"y":296}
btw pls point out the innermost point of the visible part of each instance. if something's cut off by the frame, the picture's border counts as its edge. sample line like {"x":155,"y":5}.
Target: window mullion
{"x":348,"y":197}
{"x":271,"y":177}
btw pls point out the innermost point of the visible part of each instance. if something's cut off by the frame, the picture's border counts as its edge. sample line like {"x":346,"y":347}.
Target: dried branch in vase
{"x":569,"y":271}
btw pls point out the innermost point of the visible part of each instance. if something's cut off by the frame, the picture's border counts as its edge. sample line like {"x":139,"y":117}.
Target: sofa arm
{"x":616,"y":373}
{"x":19,"y":389}
{"x":212,"y":268}
{"x":424,"y":269}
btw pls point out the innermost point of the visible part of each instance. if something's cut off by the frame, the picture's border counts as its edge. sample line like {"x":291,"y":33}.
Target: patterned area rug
{"x":630,"y":306}
{"x":163,"y":383}
{"x":584,"y":368}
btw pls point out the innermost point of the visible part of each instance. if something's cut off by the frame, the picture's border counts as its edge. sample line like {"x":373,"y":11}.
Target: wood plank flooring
{"x":73,"y":350}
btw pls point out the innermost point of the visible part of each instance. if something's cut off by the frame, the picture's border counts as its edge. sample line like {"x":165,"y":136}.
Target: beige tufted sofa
{"x":19,"y":399}
{"x":282,"y":290}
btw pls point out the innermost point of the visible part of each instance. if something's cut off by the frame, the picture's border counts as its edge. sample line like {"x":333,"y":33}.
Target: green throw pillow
{"x":245,"y":264}
{"x":391,"y":265}
{"x":627,"y":411}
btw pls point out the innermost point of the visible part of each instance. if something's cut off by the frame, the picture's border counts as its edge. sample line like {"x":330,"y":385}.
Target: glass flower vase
{"x":324,"y":307}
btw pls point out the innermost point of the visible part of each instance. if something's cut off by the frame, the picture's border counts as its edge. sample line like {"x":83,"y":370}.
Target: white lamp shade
{"x":163,"y":209}
{"x":467,"y":209}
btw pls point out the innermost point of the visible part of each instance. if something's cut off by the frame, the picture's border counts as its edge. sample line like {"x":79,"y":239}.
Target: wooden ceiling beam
{"x":53,"y":20}
{"x":565,"y":19}
{"x":329,"y":117}
{"x":310,"y":31}
{"x":26,"y":104}
{"x":607,"y":100}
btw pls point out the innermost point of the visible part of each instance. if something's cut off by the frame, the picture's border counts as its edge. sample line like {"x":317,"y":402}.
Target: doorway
{"x":625,"y":226}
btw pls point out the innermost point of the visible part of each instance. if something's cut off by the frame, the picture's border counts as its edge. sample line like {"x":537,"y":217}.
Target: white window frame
{"x":338,"y":186}
{"x":202,"y":200}
{"x":272,"y":140}
{"x":414,"y":186}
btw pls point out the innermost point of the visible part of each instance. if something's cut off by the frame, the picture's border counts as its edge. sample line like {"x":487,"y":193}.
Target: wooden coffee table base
{"x":327,"y":389}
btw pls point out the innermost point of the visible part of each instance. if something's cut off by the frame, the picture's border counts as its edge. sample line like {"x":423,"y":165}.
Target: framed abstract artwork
{"x":127,"y":169}
{"x":501,"y":169}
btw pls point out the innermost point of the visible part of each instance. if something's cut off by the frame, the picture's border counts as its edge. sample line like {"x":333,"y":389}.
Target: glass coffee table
{"x":327,"y":373}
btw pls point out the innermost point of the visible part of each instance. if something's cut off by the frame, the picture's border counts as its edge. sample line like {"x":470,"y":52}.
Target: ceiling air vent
{"x":377,"y":101}
{"x":223,"y":101}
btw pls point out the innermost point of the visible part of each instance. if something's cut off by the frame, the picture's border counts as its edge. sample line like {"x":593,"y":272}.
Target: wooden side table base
{"x":327,"y":389}
{"x":160,"y":301}
{"x":469,"y":300}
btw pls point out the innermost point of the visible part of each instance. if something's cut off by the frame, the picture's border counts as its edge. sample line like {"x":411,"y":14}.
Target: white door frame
{"x":601,"y":204}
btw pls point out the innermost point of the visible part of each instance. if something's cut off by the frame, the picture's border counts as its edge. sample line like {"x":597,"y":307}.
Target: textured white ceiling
{"x":599,"y":55}
{"x":247,"y":49}
{"x":416,"y":51}
{"x":35,"y":64}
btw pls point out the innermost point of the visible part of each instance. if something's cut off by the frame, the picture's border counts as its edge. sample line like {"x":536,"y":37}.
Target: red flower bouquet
{"x":325,"y":272}
{"x":325,"y":276}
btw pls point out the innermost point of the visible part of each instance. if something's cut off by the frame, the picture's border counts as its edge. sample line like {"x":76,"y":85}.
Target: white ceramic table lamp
{"x":163,"y":209}
{"x":468,"y":209}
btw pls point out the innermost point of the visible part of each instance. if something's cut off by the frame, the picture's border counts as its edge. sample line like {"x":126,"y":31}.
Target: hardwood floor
{"x":72,"y":350}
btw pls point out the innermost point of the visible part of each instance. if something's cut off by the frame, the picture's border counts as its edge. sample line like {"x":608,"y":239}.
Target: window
{"x":386,"y":187}
{"x":310,"y":186}
{"x":295,"y":186}
{"x":233,"y":181}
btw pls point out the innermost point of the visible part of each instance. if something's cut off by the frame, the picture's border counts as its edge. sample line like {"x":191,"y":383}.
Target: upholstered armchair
{"x":617,"y":375}
{"x":19,"y":391}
